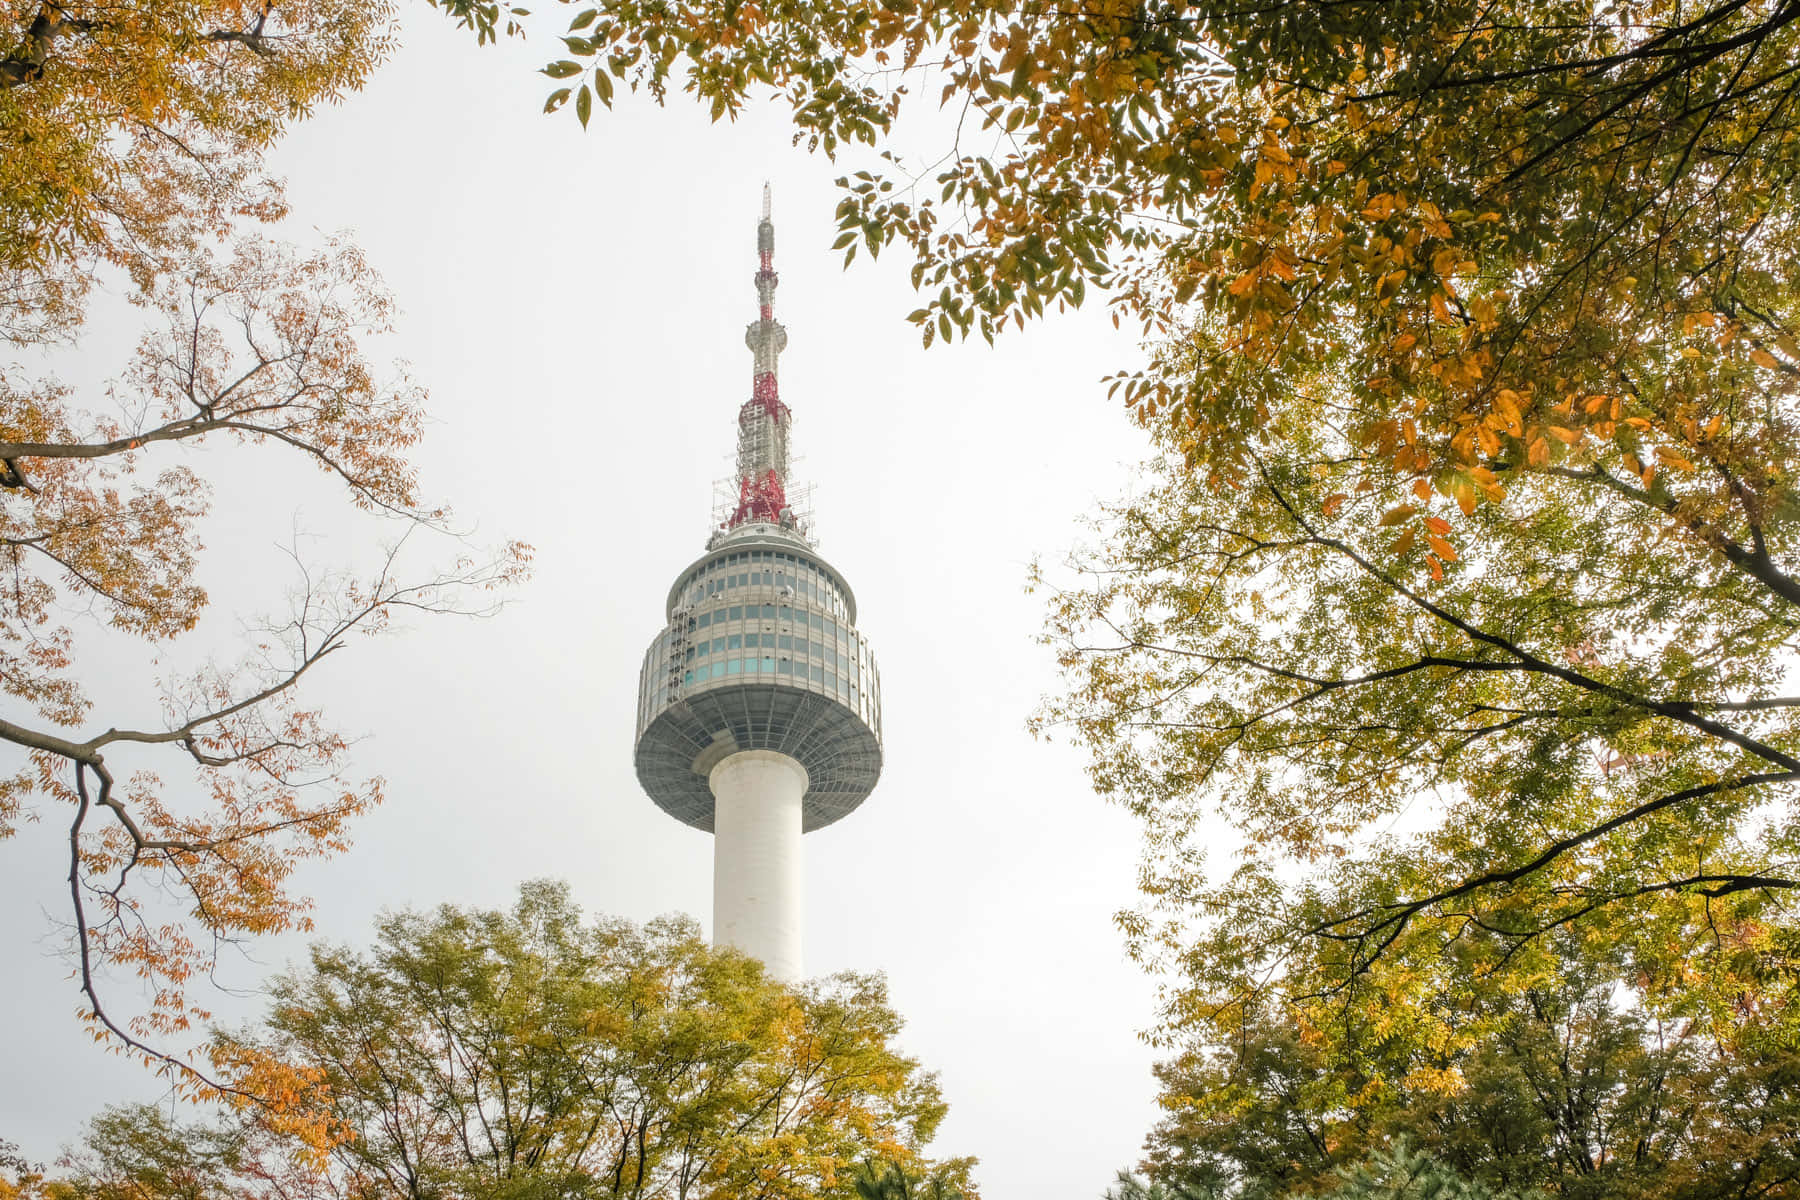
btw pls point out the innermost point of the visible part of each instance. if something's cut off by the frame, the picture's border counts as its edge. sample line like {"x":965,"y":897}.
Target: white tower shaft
{"x":759,"y":880}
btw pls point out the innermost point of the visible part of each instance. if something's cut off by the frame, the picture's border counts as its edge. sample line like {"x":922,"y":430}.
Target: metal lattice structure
{"x":760,"y":649}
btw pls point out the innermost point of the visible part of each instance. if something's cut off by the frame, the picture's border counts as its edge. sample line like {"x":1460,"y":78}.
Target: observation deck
{"x":760,"y":652}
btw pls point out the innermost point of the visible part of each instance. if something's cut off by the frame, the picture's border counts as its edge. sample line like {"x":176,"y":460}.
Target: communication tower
{"x":759,"y":704}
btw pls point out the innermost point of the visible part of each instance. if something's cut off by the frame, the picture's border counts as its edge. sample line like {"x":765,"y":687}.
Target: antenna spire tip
{"x":765,"y":215}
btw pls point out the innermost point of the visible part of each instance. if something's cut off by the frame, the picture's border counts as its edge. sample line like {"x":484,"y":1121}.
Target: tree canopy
{"x":529,"y":1053}
{"x":1577,"y":1084}
{"x":131,"y":128}
{"x":132,"y":138}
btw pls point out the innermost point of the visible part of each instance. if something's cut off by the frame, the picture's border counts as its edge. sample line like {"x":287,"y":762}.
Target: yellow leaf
{"x":1397,"y":514}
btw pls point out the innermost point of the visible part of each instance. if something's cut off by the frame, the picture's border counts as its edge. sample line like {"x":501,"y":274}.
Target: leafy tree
{"x":137,"y":1152}
{"x":131,"y":142}
{"x":128,"y":128}
{"x":876,"y":1179}
{"x":1573,"y":1087}
{"x":260,"y":348}
{"x":1129,"y":1186}
{"x":1402,"y":1173}
{"x":1582,"y":726}
{"x":20,"y":1179}
{"x":524,"y":1054}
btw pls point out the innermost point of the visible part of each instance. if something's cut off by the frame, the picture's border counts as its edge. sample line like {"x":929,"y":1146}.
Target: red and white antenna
{"x":763,"y":421}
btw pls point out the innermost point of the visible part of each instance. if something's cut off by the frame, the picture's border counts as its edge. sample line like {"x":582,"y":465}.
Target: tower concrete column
{"x":759,"y":880}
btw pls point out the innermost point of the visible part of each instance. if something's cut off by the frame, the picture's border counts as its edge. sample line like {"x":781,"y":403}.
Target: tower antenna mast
{"x":764,"y":421}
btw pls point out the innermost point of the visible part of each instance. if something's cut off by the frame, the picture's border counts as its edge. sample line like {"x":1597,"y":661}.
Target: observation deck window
{"x":768,"y":612}
{"x":734,"y":666}
{"x":703,"y":673}
{"x":818,"y":672}
{"x":734,"y":642}
{"x":768,"y":663}
{"x":705,"y":619}
{"x":785,"y":642}
{"x":787,"y":666}
{"x":737,"y":612}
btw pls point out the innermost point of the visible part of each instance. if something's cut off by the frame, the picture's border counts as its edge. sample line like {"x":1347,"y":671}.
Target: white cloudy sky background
{"x":575,"y":304}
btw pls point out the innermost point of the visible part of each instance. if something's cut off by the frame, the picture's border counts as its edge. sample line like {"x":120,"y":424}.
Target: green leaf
{"x":584,"y":105}
{"x":562,"y":69}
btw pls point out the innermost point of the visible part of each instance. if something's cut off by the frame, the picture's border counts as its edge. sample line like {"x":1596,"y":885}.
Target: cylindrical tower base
{"x":758,"y":876}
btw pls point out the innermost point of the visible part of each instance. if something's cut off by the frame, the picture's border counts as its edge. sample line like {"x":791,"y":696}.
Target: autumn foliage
{"x":131,"y":141}
{"x":130,"y":129}
{"x":532,"y":1053}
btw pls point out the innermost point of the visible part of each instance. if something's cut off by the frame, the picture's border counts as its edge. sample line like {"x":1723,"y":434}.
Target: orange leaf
{"x":1397,"y":514}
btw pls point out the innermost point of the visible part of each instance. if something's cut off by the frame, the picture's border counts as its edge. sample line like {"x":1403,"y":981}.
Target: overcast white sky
{"x":576,"y":305}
